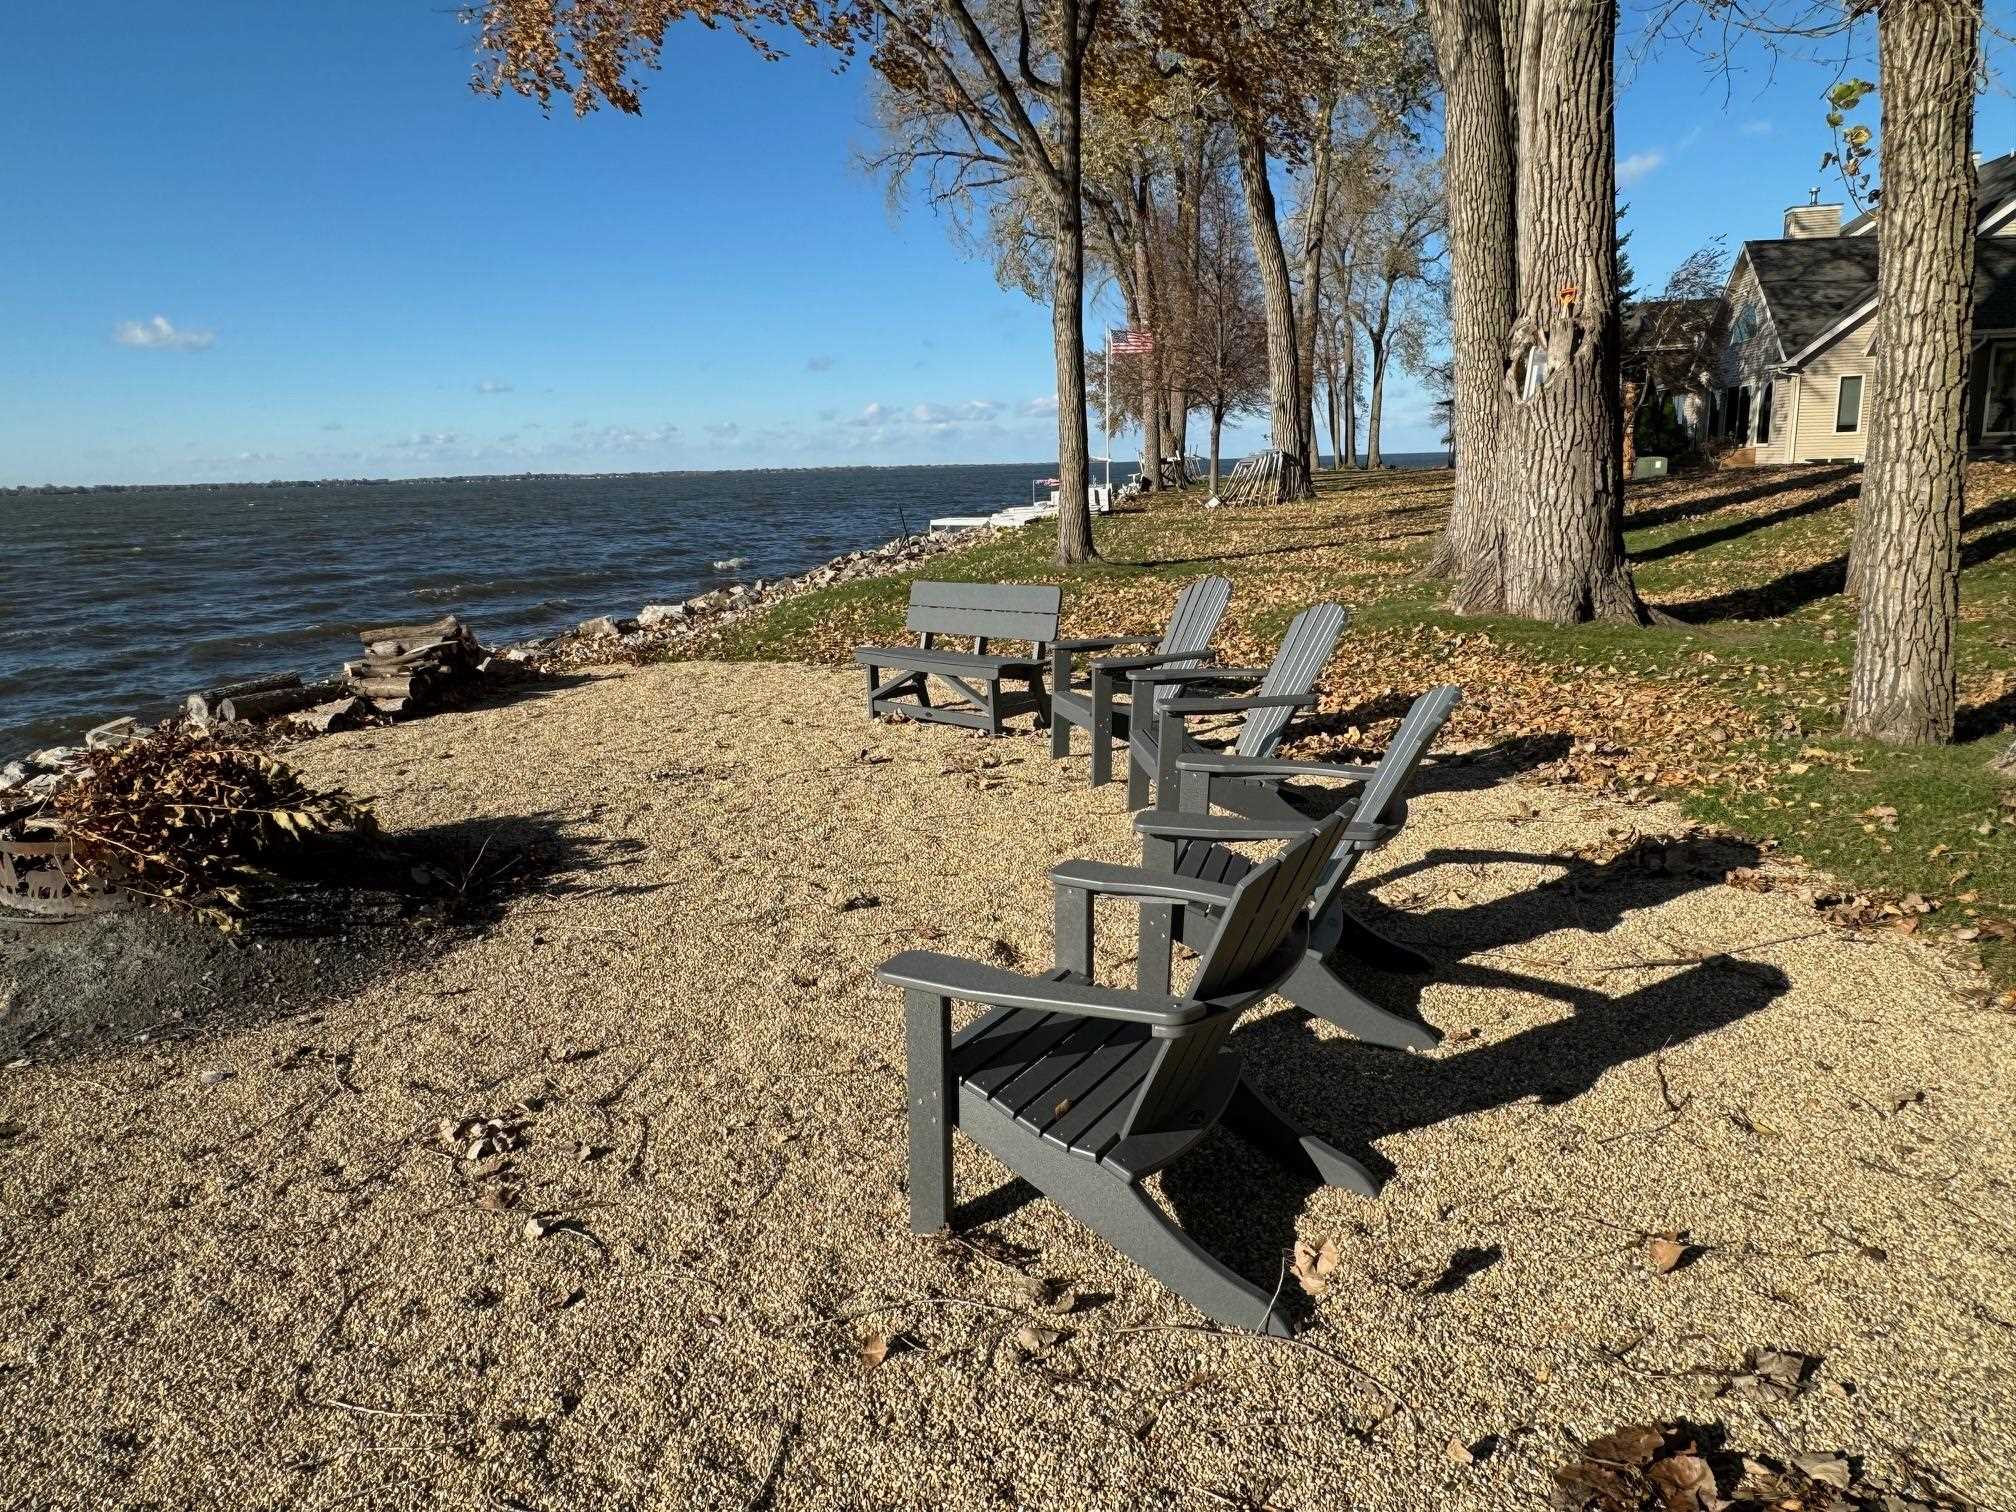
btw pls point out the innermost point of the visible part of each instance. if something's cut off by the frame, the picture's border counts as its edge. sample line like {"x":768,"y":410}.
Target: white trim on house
{"x":1997,"y":216}
{"x":1834,"y":333}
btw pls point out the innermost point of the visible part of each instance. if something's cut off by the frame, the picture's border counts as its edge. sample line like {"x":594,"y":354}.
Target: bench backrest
{"x":1192,"y":627}
{"x":986,"y":611}
{"x":1305,"y":652}
{"x":1386,"y":789}
{"x":1241,"y":960}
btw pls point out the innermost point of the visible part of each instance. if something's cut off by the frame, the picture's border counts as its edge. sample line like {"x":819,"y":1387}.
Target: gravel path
{"x":290,"y":1286}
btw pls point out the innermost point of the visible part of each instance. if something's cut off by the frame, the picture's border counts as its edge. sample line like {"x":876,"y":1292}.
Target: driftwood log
{"x":203,"y":707}
{"x":264,"y":705}
{"x":448,"y":627}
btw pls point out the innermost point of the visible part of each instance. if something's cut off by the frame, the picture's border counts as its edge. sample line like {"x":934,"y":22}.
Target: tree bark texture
{"x":1145,"y":317}
{"x":1217,"y":433}
{"x":1067,"y":305}
{"x":1903,"y":685}
{"x":1284,"y":377}
{"x":1478,"y":169}
{"x":1564,"y":537}
{"x":1315,"y":222}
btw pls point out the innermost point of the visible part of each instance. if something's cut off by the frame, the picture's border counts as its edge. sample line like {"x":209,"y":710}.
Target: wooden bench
{"x":977,"y":679}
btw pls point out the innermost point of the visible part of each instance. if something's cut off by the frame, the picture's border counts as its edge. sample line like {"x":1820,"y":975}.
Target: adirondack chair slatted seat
{"x":1085,"y":1090}
{"x":1286,"y":684}
{"x":978,"y":680}
{"x":1196,"y":844}
{"x":1098,"y":704}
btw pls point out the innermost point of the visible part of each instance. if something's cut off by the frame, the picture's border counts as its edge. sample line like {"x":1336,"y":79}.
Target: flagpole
{"x":1106,"y":413}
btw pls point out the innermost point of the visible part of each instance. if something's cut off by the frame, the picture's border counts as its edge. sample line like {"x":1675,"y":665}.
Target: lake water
{"x":121,"y":603}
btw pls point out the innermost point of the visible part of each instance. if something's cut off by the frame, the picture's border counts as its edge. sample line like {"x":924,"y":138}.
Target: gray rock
{"x":13,"y":774}
{"x":54,"y":758}
{"x":42,"y":786}
{"x":662,"y":614}
{"x":601,"y":628}
{"x":114,"y":732}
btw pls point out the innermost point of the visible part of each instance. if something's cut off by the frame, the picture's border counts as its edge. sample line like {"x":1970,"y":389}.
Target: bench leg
{"x":1138,"y":795}
{"x":1036,"y":691}
{"x":874,"y":682}
{"x":1102,"y":729}
{"x":1260,"y":1123}
{"x":927,"y":1023}
{"x":1318,"y":990}
{"x":992,"y":709}
{"x":1060,"y":733}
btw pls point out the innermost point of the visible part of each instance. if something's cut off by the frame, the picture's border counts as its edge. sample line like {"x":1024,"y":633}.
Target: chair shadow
{"x":1244,"y":1208}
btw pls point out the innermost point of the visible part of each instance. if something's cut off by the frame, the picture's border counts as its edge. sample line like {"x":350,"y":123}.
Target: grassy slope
{"x":1734,"y":710}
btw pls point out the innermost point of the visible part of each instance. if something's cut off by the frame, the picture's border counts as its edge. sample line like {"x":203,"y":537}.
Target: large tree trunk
{"x":1348,"y":457}
{"x":1315,"y":219}
{"x":1478,"y":169}
{"x":1067,"y":315}
{"x":1284,"y":377}
{"x":1217,"y":432}
{"x":1564,"y":542}
{"x":1907,"y":548}
{"x":1633,"y":392}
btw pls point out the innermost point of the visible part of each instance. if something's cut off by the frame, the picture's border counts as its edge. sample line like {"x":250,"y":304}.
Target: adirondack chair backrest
{"x":1305,"y":651}
{"x":986,"y":611}
{"x":1391,"y":779}
{"x":1255,"y":925}
{"x":1199,"y":607}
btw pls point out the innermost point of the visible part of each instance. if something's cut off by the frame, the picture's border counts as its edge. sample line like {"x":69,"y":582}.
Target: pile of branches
{"x":187,"y":822}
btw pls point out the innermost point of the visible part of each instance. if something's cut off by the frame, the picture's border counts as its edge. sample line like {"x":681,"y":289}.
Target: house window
{"x":1848,"y":406}
{"x":1998,"y":405}
{"x":1745,"y":326}
{"x":1764,"y":417}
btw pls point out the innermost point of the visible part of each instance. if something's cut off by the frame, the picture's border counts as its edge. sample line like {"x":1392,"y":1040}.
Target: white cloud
{"x":724,"y":432}
{"x":1638,"y":165}
{"x":1035,"y":408}
{"x":1756,"y":128}
{"x":160,"y":334}
{"x":427,"y":441}
{"x":494,"y":386}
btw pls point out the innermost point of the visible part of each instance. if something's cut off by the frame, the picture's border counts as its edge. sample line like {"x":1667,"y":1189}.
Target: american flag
{"x":1132,"y":343}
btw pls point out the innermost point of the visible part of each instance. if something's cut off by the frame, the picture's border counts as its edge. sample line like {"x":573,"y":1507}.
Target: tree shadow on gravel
{"x":338,"y":917}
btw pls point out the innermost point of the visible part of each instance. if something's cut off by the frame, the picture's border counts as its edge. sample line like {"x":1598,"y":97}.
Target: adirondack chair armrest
{"x":1239,"y":705}
{"x":972,"y":982}
{"x":1101,"y":642}
{"x":1173,"y":824}
{"x":1198,"y":674}
{"x":1129,"y":664}
{"x":1139,"y":882}
{"x":1229,"y":765}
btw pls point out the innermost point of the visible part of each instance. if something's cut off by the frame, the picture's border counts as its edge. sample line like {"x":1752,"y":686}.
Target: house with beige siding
{"x":1794,"y":378}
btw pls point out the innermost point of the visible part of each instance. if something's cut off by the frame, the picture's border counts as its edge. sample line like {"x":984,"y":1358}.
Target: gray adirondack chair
{"x":1099,"y":703}
{"x":1285,"y":684}
{"x":1195,"y":844}
{"x":1087,"y":1090}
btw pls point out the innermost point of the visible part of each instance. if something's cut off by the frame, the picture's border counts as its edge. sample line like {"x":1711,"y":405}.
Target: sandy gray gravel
{"x":278,"y":1288}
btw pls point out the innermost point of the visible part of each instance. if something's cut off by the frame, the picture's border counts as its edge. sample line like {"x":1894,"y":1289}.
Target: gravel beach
{"x":596,"y":1208}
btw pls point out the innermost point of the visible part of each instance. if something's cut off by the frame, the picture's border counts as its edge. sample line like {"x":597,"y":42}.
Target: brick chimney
{"x":1802,"y":221}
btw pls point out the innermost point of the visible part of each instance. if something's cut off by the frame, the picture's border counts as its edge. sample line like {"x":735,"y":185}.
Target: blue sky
{"x":287,"y":241}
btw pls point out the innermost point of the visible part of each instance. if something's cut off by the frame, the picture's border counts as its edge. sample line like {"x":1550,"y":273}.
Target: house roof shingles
{"x":1811,"y":283}
{"x":1995,"y":179}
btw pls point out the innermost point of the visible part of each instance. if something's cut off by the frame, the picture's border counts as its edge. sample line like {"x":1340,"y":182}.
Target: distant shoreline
{"x":1412,"y":461}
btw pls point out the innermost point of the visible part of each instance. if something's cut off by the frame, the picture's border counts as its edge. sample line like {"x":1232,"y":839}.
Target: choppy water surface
{"x":121,"y":603}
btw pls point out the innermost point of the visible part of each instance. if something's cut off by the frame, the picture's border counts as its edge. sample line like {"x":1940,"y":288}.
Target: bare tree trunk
{"x":1145,"y":318}
{"x":1217,"y":431}
{"x":1564,"y":544}
{"x":1375,"y":407}
{"x":1315,"y":222}
{"x":1067,"y":309}
{"x":1633,"y":392}
{"x":1479,"y":169}
{"x":1349,"y":456}
{"x":1284,"y":377}
{"x":1907,"y":547}
{"x":1336,"y":418}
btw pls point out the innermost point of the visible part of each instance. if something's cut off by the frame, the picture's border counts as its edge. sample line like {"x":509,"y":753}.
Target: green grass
{"x":1749,"y":564}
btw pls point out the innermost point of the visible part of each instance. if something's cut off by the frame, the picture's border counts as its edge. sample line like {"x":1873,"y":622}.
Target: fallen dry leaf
{"x":1313,"y":1264}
